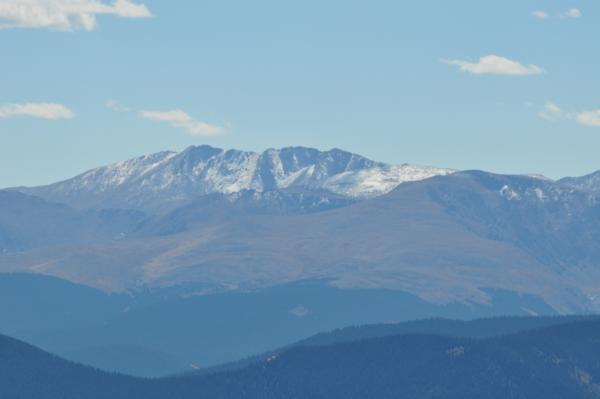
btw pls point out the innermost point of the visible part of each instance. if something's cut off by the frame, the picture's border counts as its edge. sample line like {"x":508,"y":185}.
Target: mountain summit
{"x":163,"y":181}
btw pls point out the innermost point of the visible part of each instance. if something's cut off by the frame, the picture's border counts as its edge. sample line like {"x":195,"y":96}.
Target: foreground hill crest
{"x":165,"y":180}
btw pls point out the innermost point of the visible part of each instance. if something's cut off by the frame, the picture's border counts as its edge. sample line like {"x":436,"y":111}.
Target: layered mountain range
{"x":216,"y":221}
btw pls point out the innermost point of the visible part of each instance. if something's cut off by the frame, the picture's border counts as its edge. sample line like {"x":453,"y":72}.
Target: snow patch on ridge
{"x":379,"y":180}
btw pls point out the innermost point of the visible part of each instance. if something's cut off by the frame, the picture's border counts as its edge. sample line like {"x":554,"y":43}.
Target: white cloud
{"x":495,"y":65}
{"x":551,"y":112}
{"x":589,"y":118}
{"x":180,"y":119}
{"x":116,"y":106}
{"x":572,"y":13}
{"x":540,"y":14}
{"x":65,"y":15}
{"x":36,"y":110}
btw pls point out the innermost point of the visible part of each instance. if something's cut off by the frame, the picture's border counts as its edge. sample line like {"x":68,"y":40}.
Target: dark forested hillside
{"x":478,"y":328}
{"x":560,"y":361}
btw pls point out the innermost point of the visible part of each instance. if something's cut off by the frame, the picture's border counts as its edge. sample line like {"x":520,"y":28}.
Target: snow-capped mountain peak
{"x":164,"y":180}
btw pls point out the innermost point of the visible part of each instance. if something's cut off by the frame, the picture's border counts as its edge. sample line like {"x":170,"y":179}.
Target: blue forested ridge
{"x":556,"y":361}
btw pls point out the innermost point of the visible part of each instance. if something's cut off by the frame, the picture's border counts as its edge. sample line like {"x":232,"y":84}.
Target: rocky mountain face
{"x":547,"y":219}
{"x":589,"y":183}
{"x":164,"y":181}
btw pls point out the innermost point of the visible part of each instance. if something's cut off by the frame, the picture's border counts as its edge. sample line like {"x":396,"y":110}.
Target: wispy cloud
{"x":116,"y":106}
{"x":551,"y":112}
{"x":572,"y":13}
{"x":181,"y":120}
{"x":496,"y":65}
{"x":589,"y":118}
{"x":36,"y":110}
{"x":65,"y":15}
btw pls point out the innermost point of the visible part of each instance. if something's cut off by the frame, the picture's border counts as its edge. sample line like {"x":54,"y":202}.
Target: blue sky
{"x":90,"y":83}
